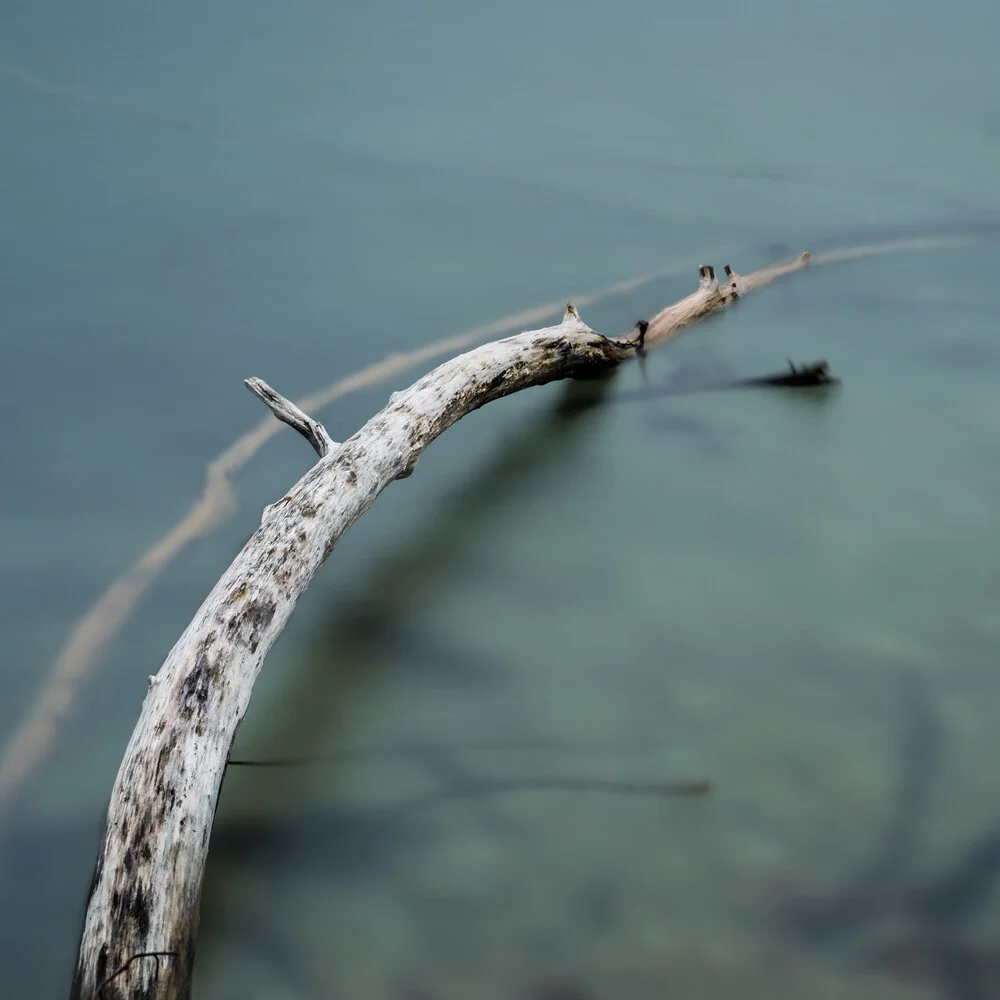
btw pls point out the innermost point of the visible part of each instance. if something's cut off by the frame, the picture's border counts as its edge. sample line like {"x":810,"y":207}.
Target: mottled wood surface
{"x":142,"y":913}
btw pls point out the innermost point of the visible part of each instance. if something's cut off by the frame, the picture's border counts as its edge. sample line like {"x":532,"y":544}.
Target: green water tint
{"x":777,"y":697}
{"x":731,"y":584}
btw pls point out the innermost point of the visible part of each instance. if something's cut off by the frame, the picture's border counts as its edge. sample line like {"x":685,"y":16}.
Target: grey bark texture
{"x":141,"y":919}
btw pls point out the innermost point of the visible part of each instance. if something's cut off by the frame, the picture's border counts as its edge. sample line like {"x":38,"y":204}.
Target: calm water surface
{"x":793,"y":595}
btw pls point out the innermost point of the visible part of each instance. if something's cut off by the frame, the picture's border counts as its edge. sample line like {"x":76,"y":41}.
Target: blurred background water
{"x":795,"y":596}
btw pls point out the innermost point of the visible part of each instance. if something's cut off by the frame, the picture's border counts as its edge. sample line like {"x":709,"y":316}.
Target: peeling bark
{"x":142,"y":912}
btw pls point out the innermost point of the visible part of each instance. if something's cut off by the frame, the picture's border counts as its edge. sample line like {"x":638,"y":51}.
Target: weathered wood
{"x":141,"y":920}
{"x":93,"y":632}
{"x":288,"y":413}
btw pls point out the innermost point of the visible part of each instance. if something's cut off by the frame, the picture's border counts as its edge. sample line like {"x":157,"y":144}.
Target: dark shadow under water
{"x":890,"y":916}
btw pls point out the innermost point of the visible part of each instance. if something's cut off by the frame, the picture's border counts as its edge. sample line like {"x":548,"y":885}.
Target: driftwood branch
{"x":147,"y":882}
{"x":92,"y":634}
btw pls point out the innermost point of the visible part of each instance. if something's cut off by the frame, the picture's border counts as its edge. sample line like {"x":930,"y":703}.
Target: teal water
{"x":794,"y":596}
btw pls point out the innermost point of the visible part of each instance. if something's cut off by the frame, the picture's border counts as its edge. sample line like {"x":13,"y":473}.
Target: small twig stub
{"x":288,"y":413}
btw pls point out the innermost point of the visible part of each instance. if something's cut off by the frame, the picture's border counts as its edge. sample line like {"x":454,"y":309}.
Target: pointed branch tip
{"x":288,"y":413}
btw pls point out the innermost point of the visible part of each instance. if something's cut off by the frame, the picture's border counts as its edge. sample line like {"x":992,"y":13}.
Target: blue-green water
{"x":794,"y":596}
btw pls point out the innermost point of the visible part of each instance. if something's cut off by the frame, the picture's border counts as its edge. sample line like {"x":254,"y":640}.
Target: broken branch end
{"x":288,"y":413}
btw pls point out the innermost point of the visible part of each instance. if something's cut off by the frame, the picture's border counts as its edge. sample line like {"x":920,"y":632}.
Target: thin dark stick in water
{"x":494,"y":786}
{"x":423,"y":747}
{"x":801,"y":376}
{"x":502,"y":786}
{"x":814,"y":375}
